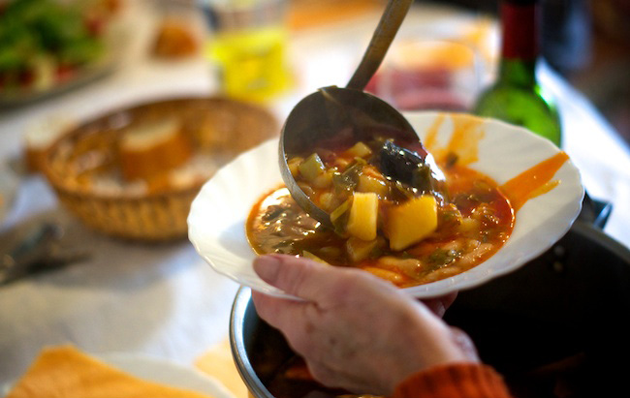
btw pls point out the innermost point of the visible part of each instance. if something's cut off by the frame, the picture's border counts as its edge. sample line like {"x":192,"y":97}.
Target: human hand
{"x":354,"y":330}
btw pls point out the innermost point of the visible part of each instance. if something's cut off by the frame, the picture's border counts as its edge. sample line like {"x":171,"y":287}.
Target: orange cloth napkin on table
{"x":218,"y":362}
{"x":305,"y":14}
{"x":66,"y":372}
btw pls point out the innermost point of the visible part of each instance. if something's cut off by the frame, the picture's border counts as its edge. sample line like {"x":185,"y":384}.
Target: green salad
{"x":45,"y":42}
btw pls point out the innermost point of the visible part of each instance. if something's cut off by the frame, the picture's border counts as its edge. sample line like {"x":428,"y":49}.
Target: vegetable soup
{"x":395,"y":213}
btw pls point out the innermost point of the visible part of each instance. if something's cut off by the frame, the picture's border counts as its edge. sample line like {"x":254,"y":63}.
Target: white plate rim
{"x":166,"y":372}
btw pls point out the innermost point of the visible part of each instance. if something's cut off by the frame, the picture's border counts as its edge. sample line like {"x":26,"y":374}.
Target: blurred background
{"x":588,"y":42}
{"x":114,"y":113}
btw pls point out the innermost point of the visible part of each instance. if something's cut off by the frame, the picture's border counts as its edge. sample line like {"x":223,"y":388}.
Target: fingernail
{"x":267,"y":268}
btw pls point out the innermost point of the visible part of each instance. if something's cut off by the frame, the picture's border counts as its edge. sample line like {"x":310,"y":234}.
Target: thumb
{"x":299,"y":277}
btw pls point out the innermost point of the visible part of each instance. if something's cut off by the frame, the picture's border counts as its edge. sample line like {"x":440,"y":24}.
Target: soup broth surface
{"x":474,"y":219}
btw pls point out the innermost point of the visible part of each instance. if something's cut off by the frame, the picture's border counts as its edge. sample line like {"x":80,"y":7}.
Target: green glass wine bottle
{"x":516,"y":97}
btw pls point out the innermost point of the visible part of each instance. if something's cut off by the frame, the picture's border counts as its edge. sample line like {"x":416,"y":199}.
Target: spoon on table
{"x":333,"y":117}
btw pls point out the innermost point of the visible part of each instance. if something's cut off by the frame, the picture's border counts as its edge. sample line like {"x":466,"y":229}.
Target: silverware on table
{"x":26,"y":251}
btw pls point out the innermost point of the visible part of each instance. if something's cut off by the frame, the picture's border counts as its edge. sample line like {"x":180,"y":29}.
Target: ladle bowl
{"x":334,"y":116}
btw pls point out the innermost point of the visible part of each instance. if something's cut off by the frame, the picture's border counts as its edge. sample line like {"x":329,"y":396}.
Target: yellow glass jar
{"x":248,"y":47}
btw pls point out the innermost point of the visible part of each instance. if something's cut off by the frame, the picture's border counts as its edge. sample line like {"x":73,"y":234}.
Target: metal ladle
{"x":335,"y":116}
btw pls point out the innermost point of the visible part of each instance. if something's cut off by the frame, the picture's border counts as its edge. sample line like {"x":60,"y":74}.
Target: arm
{"x":354,"y":330}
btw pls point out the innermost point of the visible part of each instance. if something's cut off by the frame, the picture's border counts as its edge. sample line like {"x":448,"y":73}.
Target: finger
{"x":300,"y":277}
{"x":465,"y":343}
{"x":271,"y":308}
{"x":439,"y":305}
{"x":289,"y":316}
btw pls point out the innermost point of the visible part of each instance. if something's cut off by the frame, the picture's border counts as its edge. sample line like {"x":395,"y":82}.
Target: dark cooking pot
{"x":555,"y":327}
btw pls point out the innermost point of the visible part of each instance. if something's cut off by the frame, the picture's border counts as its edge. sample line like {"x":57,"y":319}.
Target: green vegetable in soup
{"x":312,"y":167}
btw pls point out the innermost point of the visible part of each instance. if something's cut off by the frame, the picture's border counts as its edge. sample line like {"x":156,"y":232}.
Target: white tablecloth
{"x":162,"y":299}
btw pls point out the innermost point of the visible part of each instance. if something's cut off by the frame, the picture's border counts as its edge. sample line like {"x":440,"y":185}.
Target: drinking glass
{"x":429,"y":74}
{"x":247,"y":44}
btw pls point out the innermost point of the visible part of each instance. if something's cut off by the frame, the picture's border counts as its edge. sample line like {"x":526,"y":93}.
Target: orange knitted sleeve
{"x":457,"y":380}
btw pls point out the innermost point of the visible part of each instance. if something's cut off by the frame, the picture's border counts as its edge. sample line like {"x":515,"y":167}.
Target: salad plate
{"x":48,"y":47}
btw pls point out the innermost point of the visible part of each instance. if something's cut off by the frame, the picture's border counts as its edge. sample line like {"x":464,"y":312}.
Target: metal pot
{"x":556,"y":324}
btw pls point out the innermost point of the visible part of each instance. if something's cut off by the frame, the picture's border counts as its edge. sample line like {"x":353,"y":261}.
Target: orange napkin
{"x":305,"y":14}
{"x":219,"y":363}
{"x":66,"y":372}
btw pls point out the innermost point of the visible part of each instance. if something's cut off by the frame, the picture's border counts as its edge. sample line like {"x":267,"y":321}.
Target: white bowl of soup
{"x":510,"y":196}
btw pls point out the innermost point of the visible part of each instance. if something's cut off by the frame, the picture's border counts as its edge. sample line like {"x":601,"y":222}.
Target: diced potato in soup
{"x":410,"y":222}
{"x":363,"y":216}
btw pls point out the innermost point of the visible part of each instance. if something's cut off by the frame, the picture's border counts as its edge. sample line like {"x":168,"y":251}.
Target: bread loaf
{"x":153,"y":148}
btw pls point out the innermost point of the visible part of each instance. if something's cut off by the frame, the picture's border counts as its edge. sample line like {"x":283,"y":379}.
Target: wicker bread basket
{"x":218,"y":127}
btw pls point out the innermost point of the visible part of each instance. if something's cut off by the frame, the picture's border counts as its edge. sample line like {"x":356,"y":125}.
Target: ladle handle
{"x":383,"y":36}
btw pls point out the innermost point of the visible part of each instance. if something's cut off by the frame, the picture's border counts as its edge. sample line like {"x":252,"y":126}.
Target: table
{"x":163,"y":300}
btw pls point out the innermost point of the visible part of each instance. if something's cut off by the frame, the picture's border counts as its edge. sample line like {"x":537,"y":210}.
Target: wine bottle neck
{"x":520,"y":42}
{"x":521,"y":34}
